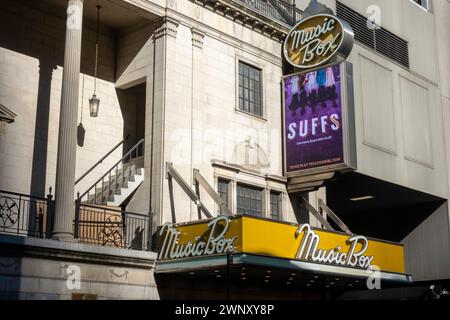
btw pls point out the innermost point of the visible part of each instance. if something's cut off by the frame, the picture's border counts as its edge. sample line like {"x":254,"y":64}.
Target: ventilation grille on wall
{"x":377,"y":38}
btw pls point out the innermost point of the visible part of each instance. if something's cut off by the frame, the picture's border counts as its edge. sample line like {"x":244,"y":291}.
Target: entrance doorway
{"x":132,"y":104}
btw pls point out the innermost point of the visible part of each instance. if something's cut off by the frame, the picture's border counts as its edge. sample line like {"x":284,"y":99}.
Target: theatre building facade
{"x":214,"y":149}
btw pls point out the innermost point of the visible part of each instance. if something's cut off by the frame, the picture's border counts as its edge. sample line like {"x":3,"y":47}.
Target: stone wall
{"x":38,"y":269}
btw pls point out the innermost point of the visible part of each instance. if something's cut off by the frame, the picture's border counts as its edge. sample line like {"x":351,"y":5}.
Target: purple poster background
{"x":313,"y":114}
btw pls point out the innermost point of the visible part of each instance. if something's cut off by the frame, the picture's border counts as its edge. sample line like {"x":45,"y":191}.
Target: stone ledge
{"x":17,"y":246}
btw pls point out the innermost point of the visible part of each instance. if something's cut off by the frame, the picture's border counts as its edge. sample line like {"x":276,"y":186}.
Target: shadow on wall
{"x":132,"y":105}
{"x":10,"y":271}
{"x":16,"y":34}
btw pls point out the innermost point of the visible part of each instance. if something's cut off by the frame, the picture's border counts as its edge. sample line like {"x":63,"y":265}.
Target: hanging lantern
{"x":94,"y":102}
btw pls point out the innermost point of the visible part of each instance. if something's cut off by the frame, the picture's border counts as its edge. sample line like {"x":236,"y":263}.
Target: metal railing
{"x":114,"y":178}
{"x":31,"y":216}
{"x":278,"y":10}
{"x":26,"y":215}
{"x":101,"y":160}
{"x":114,"y":228}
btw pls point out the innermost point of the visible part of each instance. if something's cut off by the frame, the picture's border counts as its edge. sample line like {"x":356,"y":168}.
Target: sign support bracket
{"x":316,"y":214}
{"x":172,"y":173}
{"x":200,"y":180}
{"x":324,"y":208}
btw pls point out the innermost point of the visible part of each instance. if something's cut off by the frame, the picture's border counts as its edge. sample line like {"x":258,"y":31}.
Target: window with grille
{"x":249,"y":200}
{"x":375,"y":37}
{"x":250,"y":91}
{"x":275,"y":205}
{"x":222,"y":189}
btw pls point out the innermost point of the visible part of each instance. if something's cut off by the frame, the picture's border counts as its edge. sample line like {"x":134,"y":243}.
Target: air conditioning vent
{"x":378,"y":39}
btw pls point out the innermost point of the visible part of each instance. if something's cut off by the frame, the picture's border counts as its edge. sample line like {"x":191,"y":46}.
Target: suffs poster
{"x":313,"y":114}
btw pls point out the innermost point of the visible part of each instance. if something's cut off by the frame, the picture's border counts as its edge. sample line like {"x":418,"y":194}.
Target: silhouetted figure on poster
{"x":311,"y":89}
{"x":331,"y":86}
{"x":303,"y":95}
{"x":295,"y":88}
{"x":321,"y":82}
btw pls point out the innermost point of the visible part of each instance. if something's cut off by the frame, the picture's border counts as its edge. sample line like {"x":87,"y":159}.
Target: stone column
{"x":195,"y":134}
{"x":67,"y":147}
{"x":164,"y":41}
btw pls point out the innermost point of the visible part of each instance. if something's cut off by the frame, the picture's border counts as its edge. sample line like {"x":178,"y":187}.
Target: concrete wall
{"x":427,"y":248}
{"x":398,"y":112}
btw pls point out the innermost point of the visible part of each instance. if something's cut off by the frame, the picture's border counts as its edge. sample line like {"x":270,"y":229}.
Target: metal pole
{"x":77,"y":217}
{"x":50,"y":214}
{"x":228,"y":275}
{"x":229,"y":263}
{"x":150,"y":231}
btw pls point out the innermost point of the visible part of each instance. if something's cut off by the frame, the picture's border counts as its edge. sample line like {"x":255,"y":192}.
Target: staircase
{"x":119,"y":182}
{"x":118,"y":186}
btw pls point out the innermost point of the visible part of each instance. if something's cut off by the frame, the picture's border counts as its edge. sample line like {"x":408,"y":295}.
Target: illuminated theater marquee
{"x":215,"y":242}
{"x":354,"y":257}
{"x":258,"y":241}
{"x":214,"y":238}
{"x":318,"y":39}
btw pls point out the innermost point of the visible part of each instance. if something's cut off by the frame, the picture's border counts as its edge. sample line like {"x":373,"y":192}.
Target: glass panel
{"x":250,"y":89}
{"x":249,"y":200}
{"x":275,"y":205}
{"x":222,"y":189}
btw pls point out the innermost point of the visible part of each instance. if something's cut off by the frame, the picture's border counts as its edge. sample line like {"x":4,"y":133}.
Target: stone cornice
{"x":189,"y":21}
{"x":240,"y":169}
{"x":17,"y":246}
{"x":168,"y":27}
{"x":246,"y":16}
{"x":197,"y":38}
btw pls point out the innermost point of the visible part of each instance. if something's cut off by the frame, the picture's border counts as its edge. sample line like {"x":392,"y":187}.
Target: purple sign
{"x":313,"y":115}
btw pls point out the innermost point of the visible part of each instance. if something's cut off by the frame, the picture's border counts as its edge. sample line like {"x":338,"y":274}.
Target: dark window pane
{"x":275,"y":205}
{"x":249,"y":200}
{"x":250,"y":89}
{"x":222,"y":189}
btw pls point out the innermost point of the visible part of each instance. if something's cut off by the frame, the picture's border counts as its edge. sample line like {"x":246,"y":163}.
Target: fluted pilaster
{"x":65,"y":168}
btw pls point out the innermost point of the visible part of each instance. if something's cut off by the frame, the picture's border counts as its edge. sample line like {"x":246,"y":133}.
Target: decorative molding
{"x":228,"y":39}
{"x":197,"y":38}
{"x":215,"y":163}
{"x":172,"y":3}
{"x":20,"y":247}
{"x":9,"y":264}
{"x":168,"y":27}
{"x":242,"y":14}
{"x":119,"y":275}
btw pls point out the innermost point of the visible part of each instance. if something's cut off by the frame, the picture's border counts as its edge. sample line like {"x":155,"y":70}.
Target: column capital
{"x":168,"y":27}
{"x":197,"y":38}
